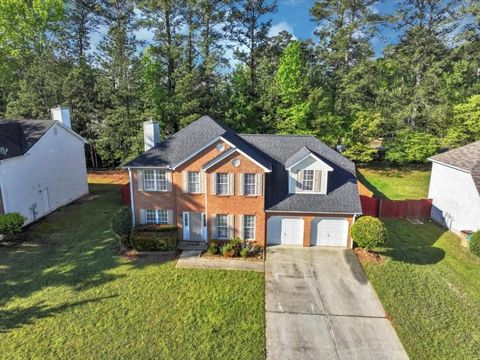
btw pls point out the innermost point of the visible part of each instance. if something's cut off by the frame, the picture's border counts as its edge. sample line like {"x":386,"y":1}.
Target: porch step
{"x":192,"y":245}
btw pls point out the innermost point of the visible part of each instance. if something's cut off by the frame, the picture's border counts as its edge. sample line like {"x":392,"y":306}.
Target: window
{"x":193,"y":182}
{"x":154,"y":180}
{"x":156,"y":217}
{"x":250,"y":186}
{"x":249,"y":227}
{"x":307,"y":184}
{"x":185,"y":219}
{"x":222,"y":226}
{"x":222,"y":184}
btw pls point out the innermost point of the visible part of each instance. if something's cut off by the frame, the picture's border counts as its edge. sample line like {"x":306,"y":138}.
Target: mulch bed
{"x":368,"y":257}
{"x":260,"y":257}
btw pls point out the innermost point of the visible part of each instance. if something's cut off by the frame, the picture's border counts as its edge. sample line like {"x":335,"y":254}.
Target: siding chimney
{"x":62,"y":115}
{"x":151,"y":134}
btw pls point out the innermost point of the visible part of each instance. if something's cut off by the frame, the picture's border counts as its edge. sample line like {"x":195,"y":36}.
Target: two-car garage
{"x":324,"y":231}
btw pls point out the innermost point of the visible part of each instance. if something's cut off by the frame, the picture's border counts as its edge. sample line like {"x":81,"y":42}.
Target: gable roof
{"x":342,"y":193}
{"x":466,"y":158}
{"x":301,"y":155}
{"x":187,"y":142}
{"x":271,"y":151}
{"x":19,"y":136}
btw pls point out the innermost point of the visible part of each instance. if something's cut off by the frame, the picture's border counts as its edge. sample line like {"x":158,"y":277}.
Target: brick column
{"x":307,"y":223}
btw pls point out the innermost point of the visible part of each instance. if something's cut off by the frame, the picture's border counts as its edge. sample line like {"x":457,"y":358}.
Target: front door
{"x":195,"y":226}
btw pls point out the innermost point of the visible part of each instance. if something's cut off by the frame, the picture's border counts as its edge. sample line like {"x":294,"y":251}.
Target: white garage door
{"x":329,"y":232}
{"x":285,"y":230}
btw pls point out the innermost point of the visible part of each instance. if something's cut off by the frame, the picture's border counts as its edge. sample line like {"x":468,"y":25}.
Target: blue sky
{"x":294,"y":17}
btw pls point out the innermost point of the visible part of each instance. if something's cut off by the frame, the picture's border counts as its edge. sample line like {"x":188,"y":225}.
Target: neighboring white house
{"x":42,"y":165}
{"x":455,"y":188}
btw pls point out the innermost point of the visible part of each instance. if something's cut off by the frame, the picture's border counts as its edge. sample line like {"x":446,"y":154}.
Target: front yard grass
{"x":67,"y":295}
{"x":430,"y":285}
{"x":396,"y":183}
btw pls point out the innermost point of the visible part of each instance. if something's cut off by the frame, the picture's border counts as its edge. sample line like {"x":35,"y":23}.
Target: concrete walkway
{"x":320,"y":305}
{"x":191,"y":259}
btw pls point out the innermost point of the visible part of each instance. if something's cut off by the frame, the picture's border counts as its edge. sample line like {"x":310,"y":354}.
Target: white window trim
{"x":158,"y":215}
{"x":156,"y":173}
{"x":312,"y":180}
{"x":225,"y":184}
{"x":254,"y":228}
{"x":254,"y":184}
{"x":190,"y":182}
{"x":218,"y":227}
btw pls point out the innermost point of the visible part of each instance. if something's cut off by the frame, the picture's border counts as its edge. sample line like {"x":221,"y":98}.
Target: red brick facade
{"x":178,"y":201}
{"x":206,"y":202}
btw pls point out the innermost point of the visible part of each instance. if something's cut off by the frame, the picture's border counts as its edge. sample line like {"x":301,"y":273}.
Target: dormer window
{"x":308,"y":179}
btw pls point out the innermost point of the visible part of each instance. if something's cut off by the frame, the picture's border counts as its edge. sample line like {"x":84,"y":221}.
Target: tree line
{"x":216,"y":58}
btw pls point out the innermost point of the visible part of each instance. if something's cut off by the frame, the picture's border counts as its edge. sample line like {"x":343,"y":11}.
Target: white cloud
{"x":281,"y":26}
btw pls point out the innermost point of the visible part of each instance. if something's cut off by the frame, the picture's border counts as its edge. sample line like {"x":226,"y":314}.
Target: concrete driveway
{"x":320,"y":305}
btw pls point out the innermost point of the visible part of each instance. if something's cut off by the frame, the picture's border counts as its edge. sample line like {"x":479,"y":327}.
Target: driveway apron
{"x":320,"y":305}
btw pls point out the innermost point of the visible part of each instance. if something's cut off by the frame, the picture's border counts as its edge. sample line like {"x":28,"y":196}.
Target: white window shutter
{"x":202,"y":181}
{"x":241,"y":182}
{"x":170,"y":217}
{"x":213,"y":226}
{"x":143,"y":219}
{"x":231,"y":183}
{"x":140,"y":180}
{"x":317,"y":181}
{"x":169,"y":180}
{"x":240,"y":223}
{"x":259,"y":180}
{"x":184,"y":181}
{"x":299,"y":182}
{"x":231,"y":226}
{"x":213,"y":183}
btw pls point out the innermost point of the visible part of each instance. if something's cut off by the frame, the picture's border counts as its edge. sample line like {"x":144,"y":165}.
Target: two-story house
{"x":217,"y":184}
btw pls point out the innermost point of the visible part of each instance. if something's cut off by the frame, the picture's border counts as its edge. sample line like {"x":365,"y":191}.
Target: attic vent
{"x":55,"y":131}
{"x":3,"y":151}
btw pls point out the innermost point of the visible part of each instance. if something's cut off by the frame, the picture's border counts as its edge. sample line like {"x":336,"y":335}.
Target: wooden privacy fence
{"x":415,"y":209}
{"x":125,"y":191}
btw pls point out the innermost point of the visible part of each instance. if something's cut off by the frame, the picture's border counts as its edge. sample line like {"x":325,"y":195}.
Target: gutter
{"x":132,"y":204}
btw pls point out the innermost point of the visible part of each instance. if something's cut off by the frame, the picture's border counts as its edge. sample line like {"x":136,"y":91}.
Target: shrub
{"x":369,"y":232}
{"x":212,"y":248}
{"x":244,"y":252}
{"x":155,"y":238}
{"x":474,"y":244}
{"x":411,"y":146}
{"x":121,"y":222}
{"x":228,"y":250}
{"x":11,"y":224}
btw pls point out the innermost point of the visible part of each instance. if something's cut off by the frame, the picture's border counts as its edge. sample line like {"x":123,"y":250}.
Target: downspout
{"x":132,"y":204}
{"x":2,"y":197}
{"x":206,"y":205}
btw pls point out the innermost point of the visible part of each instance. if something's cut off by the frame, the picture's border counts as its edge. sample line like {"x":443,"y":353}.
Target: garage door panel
{"x":329,"y":232}
{"x":285,"y":230}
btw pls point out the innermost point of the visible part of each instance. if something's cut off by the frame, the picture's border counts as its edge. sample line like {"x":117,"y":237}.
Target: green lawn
{"x":431,"y":287}
{"x":396,"y":183}
{"x":68,"y":296}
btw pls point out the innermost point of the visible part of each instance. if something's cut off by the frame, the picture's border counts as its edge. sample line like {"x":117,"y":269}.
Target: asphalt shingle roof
{"x":186,"y":141}
{"x":18,"y":136}
{"x":342,"y":193}
{"x":272,"y":151}
{"x":466,"y":158}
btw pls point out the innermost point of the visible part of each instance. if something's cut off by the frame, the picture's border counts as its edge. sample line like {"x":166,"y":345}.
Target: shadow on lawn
{"x":18,"y":317}
{"x":413,"y":244}
{"x":71,"y":247}
{"x":377,"y":193}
